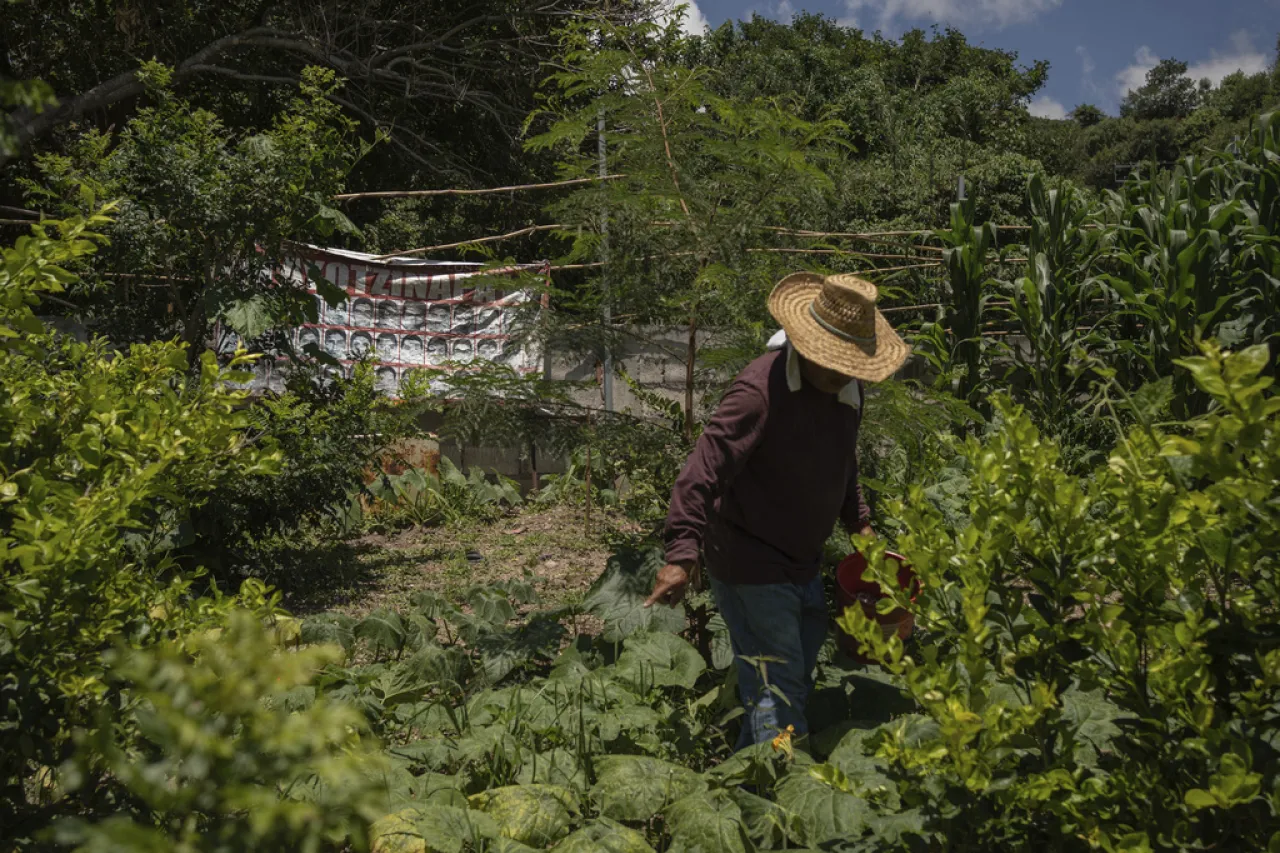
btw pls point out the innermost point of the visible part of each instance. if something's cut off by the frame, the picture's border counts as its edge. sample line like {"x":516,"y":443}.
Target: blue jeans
{"x":786,"y":622}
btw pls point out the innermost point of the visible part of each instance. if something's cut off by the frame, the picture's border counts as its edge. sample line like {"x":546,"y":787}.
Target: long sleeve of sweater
{"x":855,"y":513}
{"x":721,"y":451}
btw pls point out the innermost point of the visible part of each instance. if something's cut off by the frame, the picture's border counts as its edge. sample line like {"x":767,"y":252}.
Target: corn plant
{"x":1255,"y":189}
{"x":1195,"y":256}
{"x":955,"y":342}
{"x":1055,"y":305}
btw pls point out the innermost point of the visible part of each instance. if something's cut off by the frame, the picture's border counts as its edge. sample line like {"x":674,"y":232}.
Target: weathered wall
{"x":654,"y":358}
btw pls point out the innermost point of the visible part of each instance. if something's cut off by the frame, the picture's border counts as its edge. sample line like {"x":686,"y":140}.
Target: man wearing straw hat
{"x":773,"y":471}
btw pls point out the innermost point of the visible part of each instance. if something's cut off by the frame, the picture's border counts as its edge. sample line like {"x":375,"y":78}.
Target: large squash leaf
{"x":604,"y":836}
{"x":721,"y":647}
{"x":509,"y":845}
{"x":333,"y":628}
{"x":437,"y":753}
{"x":862,"y":770}
{"x":482,"y":746}
{"x":531,"y":814}
{"x":769,"y":824}
{"x":432,"y":664}
{"x":490,"y":605}
{"x":504,"y":649}
{"x":405,"y":790}
{"x":553,"y":767}
{"x":383,"y":630}
{"x":710,"y":822}
{"x":824,"y":813}
{"x":896,"y":828}
{"x":618,"y":596}
{"x":397,"y":833}
{"x":629,"y":718}
{"x":633,"y":787}
{"x":438,"y":789}
{"x":431,"y":829}
{"x":659,"y":660}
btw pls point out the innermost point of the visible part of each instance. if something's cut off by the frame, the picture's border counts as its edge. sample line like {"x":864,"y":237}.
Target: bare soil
{"x":552,"y":548}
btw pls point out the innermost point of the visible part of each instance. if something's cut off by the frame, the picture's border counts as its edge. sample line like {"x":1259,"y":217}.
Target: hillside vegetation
{"x":1086,"y":477}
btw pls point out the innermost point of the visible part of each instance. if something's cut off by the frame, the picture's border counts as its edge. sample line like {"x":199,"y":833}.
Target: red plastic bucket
{"x":852,"y":590}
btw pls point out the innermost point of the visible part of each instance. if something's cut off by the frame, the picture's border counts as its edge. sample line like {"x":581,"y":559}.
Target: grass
{"x":551,"y":547}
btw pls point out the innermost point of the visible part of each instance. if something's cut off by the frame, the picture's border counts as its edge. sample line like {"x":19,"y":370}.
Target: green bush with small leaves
{"x":1098,"y":664}
{"x":103,"y":453}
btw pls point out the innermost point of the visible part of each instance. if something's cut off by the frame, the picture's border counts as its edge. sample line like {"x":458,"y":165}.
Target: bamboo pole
{"x":532,"y":229}
{"x":481,"y":191}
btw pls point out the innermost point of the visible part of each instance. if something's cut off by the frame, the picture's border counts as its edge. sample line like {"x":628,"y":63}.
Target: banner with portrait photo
{"x":409,"y":313}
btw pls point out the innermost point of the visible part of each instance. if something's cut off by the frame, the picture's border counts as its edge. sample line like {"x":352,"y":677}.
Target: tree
{"x":1168,"y":93}
{"x":411,"y":66}
{"x":1087,"y":115}
{"x":704,"y":177}
{"x":918,"y":111}
{"x":1242,"y":96}
{"x":204,"y":214}
{"x":28,"y":97}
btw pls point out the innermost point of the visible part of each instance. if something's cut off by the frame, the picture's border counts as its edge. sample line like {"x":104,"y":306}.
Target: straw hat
{"x":833,"y":322}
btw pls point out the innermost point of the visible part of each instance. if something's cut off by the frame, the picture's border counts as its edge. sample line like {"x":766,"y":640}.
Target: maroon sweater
{"x":766,"y":482}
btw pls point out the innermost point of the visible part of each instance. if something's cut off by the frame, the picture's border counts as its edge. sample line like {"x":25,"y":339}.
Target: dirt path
{"x":548,"y":547}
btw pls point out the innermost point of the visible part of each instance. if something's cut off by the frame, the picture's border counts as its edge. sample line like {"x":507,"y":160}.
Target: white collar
{"x":850,"y":394}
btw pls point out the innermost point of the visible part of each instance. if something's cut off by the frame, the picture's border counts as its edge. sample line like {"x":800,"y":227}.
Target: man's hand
{"x":669,"y":586}
{"x":867,"y":531}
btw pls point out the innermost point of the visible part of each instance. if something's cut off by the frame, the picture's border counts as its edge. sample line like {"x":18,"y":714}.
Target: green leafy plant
{"x":957,"y":351}
{"x":102,"y":453}
{"x":1097,"y":662}
{"x":204,"y":215}
{"x":1058,"y":309}
{"x":428,"y":498}
{"x":224,"y":763}
{"x":1194,"y":256}
{"x":256,"y":526}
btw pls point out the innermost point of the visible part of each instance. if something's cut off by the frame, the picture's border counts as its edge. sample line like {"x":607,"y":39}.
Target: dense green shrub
{"x":227,"y":759}
{"x":1099,"y":666}
{"x":329,"y":434}
{"x":101,"y":455}
{"x":420,"y":497}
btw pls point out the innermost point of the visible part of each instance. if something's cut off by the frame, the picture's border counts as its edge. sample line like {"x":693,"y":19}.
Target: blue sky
{"x":1097,"y":49}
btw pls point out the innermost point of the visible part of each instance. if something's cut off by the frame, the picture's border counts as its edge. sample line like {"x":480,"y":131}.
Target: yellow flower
{"x":782,"y":743}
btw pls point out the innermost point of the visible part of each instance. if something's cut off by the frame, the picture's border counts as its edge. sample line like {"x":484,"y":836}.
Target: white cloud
{"x":784,"y":11}
{"x":694,"y":24}
{"x":1046,"y":107}
{"x":999,"y":13}
{"x":1087,"y":67}
{"x":1242,"y":56}
{"x":1133,"y":76}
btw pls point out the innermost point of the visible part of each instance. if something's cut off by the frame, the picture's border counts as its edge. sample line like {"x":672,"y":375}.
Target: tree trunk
{"x":586,"y":524}
{"x":533,"y":465}
{"x":691,"y":356}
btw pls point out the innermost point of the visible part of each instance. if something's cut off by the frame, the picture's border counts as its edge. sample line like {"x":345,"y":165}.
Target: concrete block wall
{"x":654,"y":358}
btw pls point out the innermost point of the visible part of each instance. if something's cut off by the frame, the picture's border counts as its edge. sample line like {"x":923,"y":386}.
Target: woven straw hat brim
{"x":789,"y":304}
